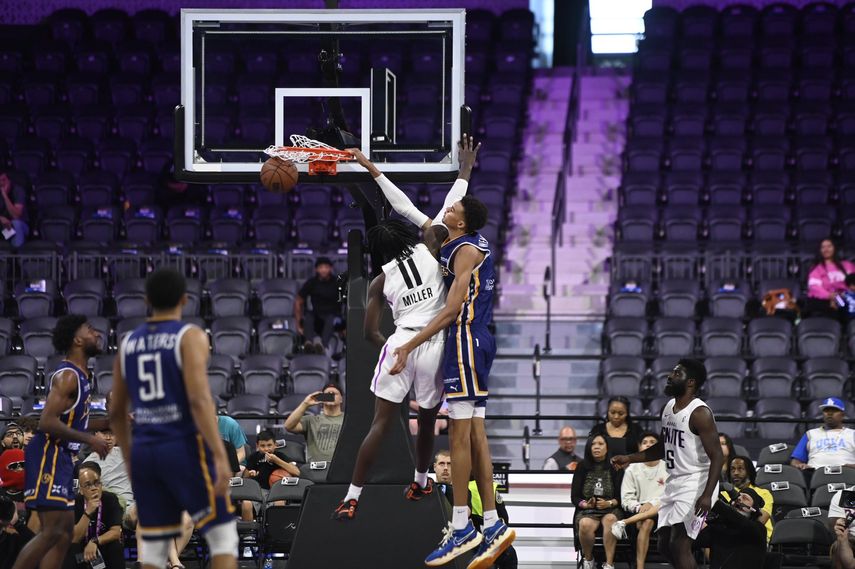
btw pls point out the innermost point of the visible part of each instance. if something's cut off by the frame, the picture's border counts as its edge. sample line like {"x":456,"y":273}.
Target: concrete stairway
{"x":581,"y":271}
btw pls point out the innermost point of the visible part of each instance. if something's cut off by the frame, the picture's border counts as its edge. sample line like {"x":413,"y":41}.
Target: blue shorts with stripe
{"x":48,"y":475}
{"x":469,"y":354}
{"x":170,"y":477}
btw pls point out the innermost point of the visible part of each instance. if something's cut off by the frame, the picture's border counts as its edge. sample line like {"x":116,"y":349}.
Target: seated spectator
{"x":832,"y":444}
{"x":826,"y":280}
{"x":846,"y":299}
{"x":841,"y":550}
{"x":29,"y":425}
{"x":13,"y":437}
{"x":322,"y":430}
{"x":318,"y":324}
{"x":231,"y":432}
{"x":640,"y":491}
{"x":742,"y":475}
{"x":114,"y":476}
{"x":596,"y":488}
{"x":14,"y":534}
{"x":727,"y":450}
{"x":261,"y":464}
{"x":564,"y":458}
{"x":622,"y":434}
{"x":734,"y":534}
{"x":13,"y":197}
{"x":12,"y":475}
{"x":98,"y":523}
{"x":442,"y":469}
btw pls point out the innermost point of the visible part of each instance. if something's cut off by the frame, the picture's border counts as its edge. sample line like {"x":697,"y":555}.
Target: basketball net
{"x":321,"y":158}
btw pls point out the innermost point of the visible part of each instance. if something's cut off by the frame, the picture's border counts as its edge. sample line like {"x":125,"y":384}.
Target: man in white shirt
{"x":832,"y":444}
{"x":642,"y":486}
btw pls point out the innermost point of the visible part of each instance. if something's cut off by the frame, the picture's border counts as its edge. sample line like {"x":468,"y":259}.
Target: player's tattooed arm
{"x":374,"y":312}
{"x":702,"y":424}
{"x":63,"y":394}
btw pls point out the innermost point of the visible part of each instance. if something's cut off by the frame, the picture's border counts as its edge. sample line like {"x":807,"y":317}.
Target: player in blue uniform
{"x":49,"y":467}
{"x":176,"y":459}
{"x":470,"y":349}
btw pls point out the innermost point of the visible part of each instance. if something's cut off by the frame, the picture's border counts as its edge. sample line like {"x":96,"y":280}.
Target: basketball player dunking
{"x":693,"y":458}
{"x":175,"y":457}
{"x":469,"y":352}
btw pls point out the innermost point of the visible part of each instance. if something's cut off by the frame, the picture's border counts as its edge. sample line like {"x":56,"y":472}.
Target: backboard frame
{"x":190,"y":167}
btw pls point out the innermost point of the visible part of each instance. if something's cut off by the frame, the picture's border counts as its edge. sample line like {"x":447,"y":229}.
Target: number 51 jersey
{"x":150,"y":357}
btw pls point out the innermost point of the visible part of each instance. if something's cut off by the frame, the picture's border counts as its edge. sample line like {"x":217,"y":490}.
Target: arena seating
{"x":738,"y":162}
{"x":86,"y":107}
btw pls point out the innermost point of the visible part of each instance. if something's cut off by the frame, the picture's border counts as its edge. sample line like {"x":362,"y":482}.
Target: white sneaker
{"x":619,"y":531}
{"x":607,"y":566}
{"x":586,"y":564}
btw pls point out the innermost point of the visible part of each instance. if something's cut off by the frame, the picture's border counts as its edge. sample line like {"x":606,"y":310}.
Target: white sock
{"x":460,"y":517}
{"x":490,"y":517}
{"x":421,"y":478}
{"x":353,"y":493}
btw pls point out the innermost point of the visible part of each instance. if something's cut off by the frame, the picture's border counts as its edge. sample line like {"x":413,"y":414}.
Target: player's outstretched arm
{"x":195,"y":351}
{"x":465,"y":261}
{"x":63,"y":391}
{"x":656,"y":452}
{"x":119,"y":408}
{"x":467,"y":153}
{"x":398,"y":199}
{"x":374,"y":312}
{"x":703,"y":424}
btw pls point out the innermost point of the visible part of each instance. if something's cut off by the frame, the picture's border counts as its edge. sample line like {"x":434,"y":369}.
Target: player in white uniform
{"x":411,"y":283}
{"x":693,"y":458}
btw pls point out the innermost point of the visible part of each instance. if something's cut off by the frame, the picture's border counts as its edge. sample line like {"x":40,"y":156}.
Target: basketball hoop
{"x":321,"y":158}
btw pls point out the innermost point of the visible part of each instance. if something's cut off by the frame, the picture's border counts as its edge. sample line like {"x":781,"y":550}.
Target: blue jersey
{"x":76,"y":416}
{"x":150,"y":357}
{"x":477,"y":309}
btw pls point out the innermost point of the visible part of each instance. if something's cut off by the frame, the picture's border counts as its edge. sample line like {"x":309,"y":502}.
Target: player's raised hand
{"x":620,"y":461}
{"x":400,"y":355}
{"x":467,"y":151}
{"x":360,"y":158}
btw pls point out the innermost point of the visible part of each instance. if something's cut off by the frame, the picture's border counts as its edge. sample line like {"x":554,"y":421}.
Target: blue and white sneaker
{"x":497,"y":539}
{"x":455,"y":542}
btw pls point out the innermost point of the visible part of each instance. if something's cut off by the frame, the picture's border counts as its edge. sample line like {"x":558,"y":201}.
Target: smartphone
{"x":784,"y":485}
{"x":325,"y":397}
{"x":319,"y":465}
{"x":778,"y":447}
{"x":236,"y":481}
{"x":773,"y":468}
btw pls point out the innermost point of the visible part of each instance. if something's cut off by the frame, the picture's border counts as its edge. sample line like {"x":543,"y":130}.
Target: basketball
{"x":277,"y":475}
{"x":278,"y":175}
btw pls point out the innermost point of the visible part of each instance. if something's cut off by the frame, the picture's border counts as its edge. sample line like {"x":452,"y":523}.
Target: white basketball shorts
{"x":423,"y":372}
{"x":677,"y":504}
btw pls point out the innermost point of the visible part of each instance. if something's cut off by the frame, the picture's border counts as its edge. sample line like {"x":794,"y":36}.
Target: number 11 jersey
{"x":150,"y":357}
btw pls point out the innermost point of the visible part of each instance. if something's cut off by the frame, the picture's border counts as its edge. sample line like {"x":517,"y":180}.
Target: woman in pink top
{"x":826,"y":279}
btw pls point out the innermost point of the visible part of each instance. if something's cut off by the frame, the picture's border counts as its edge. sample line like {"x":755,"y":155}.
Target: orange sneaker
{"x":345,"y":511}
{"x":415,"y":492}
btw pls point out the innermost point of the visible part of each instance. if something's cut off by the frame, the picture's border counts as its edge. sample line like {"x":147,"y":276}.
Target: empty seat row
{"x":728,"y":376}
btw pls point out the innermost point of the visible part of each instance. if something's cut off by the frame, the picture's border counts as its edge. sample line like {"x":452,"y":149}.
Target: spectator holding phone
{"x":322,"y":430}
{"x":841,"y":512}
{"x":98,"y":524}
{"x":734,"y":533}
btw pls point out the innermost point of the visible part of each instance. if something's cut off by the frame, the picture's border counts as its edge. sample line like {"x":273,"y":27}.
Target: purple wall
{"x":33,"y":11}
{"x":680,"y":4}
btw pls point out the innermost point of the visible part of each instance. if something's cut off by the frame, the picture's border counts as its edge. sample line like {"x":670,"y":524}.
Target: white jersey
{"x":414,"y":288}
{"x":684,"y":451}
